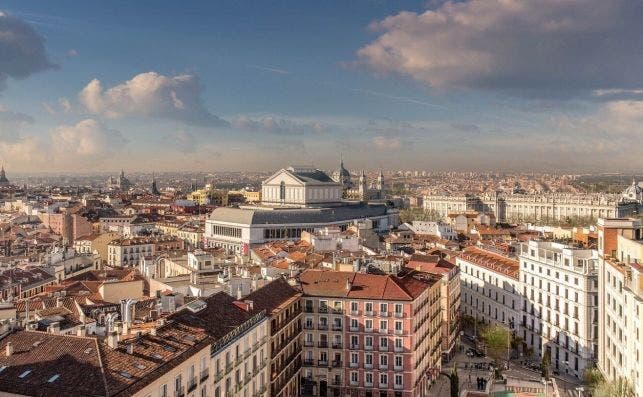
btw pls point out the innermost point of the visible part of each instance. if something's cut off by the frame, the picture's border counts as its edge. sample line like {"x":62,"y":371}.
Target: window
{"x":163,"y":391}
{"x":368,"y":324}
{"x":398,"y":361}
{"x":354,"y":377}
{"x":369,"y":307}
{"x":383,"y":359}
{"x":398,"y":380}
{"x":368,"y":341}
{"x":383,"y":308}
{"x":282,"y":191}
{"x":383,"y":325}
{"x":383,"y":342}
{"x":354,"y":306}
{"x":383,"y":379}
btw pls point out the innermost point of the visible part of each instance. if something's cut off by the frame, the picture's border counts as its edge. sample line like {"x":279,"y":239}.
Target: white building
{"x":295,"y":199}
{"x":439,"y":229}
{"x":620,"y":247}
{"x":129,"y":252}
{"x":332,"y":239}
{"x":490,"y":287}
{"x":300,"y":186}
{"x":560,"y":295}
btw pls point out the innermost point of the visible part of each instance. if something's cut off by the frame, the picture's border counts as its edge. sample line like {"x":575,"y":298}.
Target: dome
{"x":633,"y":192}
{"x":342,"y":175}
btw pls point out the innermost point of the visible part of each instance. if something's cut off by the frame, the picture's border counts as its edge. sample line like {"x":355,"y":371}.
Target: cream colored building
{"x":300,"y":186}
{"x":620,"y":341}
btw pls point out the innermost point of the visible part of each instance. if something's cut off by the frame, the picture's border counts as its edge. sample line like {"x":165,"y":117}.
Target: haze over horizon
{"x":470,"y":85}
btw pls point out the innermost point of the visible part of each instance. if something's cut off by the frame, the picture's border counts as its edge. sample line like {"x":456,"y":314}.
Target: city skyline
{"x":399,"y":85}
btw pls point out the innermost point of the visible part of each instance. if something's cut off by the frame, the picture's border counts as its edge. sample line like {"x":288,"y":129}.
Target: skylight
{"x":24,"y":374}
{"x":88,"y":350}
{"x":3,"y":368}
{"x":126,"y":374}
{"x":169,"y":348}
{"x":53,"y":378}
{"x":140,"y":366}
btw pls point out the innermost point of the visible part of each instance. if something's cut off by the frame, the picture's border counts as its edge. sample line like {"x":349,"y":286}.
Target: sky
{"x":507,"y":85}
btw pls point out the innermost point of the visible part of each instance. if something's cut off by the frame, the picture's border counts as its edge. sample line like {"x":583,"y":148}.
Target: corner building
{"x":370,"y":335}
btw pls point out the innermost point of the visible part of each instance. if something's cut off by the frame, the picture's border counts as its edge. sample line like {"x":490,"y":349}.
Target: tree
{"x":455,"y":382}
{"x":497,"y":339}
{"x":546,"y":362}
{"x":419,"y":214}
{"x":619,"y":387}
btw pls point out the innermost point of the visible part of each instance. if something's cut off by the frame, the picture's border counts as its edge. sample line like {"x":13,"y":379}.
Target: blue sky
{"x":241,"y":85}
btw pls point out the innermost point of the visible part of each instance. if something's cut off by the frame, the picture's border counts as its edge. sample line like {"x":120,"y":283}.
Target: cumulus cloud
{"x":546,"y":47}
{"x":280,"y":126}
{"x":86,"y":140}
{"x":64,"y":104}
{"x":22,"y":49}
{"x":151,"y":95}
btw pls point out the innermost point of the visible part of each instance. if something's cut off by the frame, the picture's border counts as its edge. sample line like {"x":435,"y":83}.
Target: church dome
{"x":633,"y":192}
{"x":342,"y":175}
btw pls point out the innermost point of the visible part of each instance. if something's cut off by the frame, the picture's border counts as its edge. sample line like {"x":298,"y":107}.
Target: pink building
{"x":69,"y":226}
{"x":370,"y":335}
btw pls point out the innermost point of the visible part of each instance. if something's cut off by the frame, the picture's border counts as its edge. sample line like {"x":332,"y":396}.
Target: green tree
{"x":455,"y":382}
{"x":620,"y":387}
{"x":497,"y":339}
{"x":419,"y":214}
{"x":546,"y":362}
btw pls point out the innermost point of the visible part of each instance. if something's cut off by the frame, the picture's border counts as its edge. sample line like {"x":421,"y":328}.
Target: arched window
{"x":282,"y":191}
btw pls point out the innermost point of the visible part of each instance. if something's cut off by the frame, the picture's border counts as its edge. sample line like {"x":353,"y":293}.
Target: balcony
{"x":383,"y":348}
{"x":180,"y":392}
{"x":204,"y":375}
{"x":399,"y":332}
{"x":337,"y":382}
{"x":337,"y":345}
{"x":338,"y":310}
{"x":383,"y":385}
{"x":323,"y":309}
{"x":398,"y":349}
{"x":383,"y":331}
{"x":228,"y":368}
{"x":218,"y":376}
{"x":398,"y":368}
{"x":308,"y":362}
{"x":309,"y":326}
{"x":354,"y":312}
{"x":368,"y":347}
{"x":369,"y":329}
{"x":309,"y":343}
{"x":354,"y":347}
{"x":308,"y":309}
{"x":322,"y":344}
{"x":337,"y":327}
{"x":337,"y":364}
{"x":368,"y":366}
{"x":399,"y":314}
{"x":354,"y":365}
{"x":398,"y":387}
{"x":369,"y":313}
{"x":383,"y":367}
{"x":322,"y":363}
{"x":353,"y":329}
{"x":354,"y":383}
{"x":239,"y":386}
{"x":322,"y":327}
{"x":383,"y":314}
{"x":368,"y":384}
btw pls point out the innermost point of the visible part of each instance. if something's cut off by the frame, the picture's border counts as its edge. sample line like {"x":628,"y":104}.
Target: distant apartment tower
{"x":620,"y":341}
{"x":370,"y":335}
{"x":560,"y":301}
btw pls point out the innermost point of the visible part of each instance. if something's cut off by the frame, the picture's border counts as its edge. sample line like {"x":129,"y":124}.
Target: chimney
{"x":59,"y":302}
{"x":130,"y":348}
{"x":153,"y":331}
{"x":239,"y":294}
{"x":9,"y":349}
{"x":349,"y":285}
{"x":54,"y":328}
{"x":118,"y":326}
{"x":251,"y":305}
{"x":81,"y":331}
{"x":112,"y":339}
{"x":125,"y":330}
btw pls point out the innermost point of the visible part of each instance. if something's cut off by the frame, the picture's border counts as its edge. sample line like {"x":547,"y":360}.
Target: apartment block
{"x":370,"y":335}
{"x":620,"y":341}
{"x":560,"y":301}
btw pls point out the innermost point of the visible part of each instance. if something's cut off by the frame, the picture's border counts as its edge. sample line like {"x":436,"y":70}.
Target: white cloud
{"x":22,"y":49}
{"x":64,"y":104}
{"x":150,"y":95}
{"x":86,"y":140}
{"x":546,"y":47}
{"x":386,"y":143}
{"x":279,"y":125}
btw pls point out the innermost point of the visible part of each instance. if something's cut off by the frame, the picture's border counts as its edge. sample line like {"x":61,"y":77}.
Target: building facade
{"x":370,"y":335}
{"x":560,"y":301}
{"x":621,"y":300}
